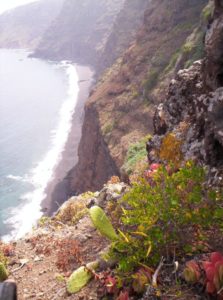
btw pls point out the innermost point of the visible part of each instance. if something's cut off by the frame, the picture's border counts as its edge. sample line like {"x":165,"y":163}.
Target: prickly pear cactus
{"x":102,"y":223}
{"x":80,"y":278}
{"x":3,"y":272}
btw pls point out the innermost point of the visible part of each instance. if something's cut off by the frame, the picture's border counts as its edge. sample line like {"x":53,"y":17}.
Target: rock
{"x":83,"y":237}
{"x":24,"y":261}
{"x":37,"y":258}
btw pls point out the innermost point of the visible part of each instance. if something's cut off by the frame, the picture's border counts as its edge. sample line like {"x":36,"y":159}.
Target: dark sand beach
{"x":69,"y":156}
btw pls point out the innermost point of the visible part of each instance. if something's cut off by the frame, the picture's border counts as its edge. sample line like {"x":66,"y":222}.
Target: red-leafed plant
{"x":151,"y":171}
{"x":123,"y":296}
{"x":214,"y":273}
{"x":192,"y":272}
{"x":141,"y":279}
{"x":111,"y":284}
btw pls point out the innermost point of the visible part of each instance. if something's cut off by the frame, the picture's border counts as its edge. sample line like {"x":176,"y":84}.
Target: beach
{"x":56,"y":191}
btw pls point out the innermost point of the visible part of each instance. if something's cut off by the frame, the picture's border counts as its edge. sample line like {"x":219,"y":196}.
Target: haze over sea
{"x":37,"y":101}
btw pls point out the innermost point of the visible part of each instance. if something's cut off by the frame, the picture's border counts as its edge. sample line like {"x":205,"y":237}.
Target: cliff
{"x":167,"y":236}
{"x":122,"y":103}
{"x":123,"y":33}
{"x":24,"y":26}
{"x":192,"y":110}
{"x":80,"y":31}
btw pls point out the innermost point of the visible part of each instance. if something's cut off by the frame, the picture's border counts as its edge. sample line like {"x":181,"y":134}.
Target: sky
{"x":8,"y":4}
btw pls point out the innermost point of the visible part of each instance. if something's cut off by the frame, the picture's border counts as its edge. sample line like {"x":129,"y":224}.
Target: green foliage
{"x":136,"y":153}
{"x":73,"y":212}
{"x":3,"y":258}
{"x":43,"y":221}
{"x":107,"y":129}
{"x":188,"y":47}
{"x":172,"y":62}
{"x":151,"y":80}
{"x":102,"y":223}
{"x":197,"y":51}
{"x":207,"y":11}
{"x":172,"y":213}
{"x":3,"y":272}
{"x":80,"y":277}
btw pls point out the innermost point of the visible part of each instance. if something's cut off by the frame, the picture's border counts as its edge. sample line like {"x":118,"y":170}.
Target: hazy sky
{"x":8,"y":4}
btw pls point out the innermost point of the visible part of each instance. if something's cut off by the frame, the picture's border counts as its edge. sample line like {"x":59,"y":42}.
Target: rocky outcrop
{"x":193,"y":109}
{"x":95,"y":162}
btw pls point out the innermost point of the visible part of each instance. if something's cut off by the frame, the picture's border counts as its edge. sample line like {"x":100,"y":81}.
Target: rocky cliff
{"x":24,"y":26}
{"x":122,"y":103}
{"x":192,"y":111}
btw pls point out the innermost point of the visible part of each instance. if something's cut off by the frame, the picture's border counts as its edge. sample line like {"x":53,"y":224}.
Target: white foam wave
{"x":24,"y":217}
{"x":16,"y":178}
{"x":24,"y":178}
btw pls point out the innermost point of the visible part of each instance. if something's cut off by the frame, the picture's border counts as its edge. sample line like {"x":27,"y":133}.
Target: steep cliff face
{"x":123,"y":100}
{"x":80,"y":31}
{"x":193,"y":110}
{"x":24,"y":26}
{"x":123,"y":32}
{"x":95,"y":161}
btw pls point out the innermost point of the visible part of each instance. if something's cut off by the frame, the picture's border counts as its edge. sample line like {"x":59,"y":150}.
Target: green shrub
{"x":135,"y":154}
{"x":172,"y":62}
{"x":207,"y":11}
{"x":198,"y":50}
{"x":108,"y":127}
{"x":151,"y":80}
{"x":188,"y":47}
{"x":171,"y":214}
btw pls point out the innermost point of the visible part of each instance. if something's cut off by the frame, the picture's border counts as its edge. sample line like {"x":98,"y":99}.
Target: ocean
{"x":37,"y":101}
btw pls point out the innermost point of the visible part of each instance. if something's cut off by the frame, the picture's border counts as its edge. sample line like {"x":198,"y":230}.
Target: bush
{"x":170,"y":150}
{"x":207,"y":12}
{"x":136,"y":153}
{"x":173,"y":214}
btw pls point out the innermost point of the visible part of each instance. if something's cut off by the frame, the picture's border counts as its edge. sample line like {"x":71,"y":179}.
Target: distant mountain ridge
{"x":24,"y":26}
{"x":80,"y":31}
{"x":93,"y":32}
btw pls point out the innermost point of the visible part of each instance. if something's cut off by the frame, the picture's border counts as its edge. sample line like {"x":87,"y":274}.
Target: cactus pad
{"x":102,"y":223}
{"x":3,"y":272}
{"x":80,"y":277}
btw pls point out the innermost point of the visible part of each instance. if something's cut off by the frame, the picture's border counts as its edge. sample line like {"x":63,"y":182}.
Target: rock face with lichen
{"x":193,"y":109}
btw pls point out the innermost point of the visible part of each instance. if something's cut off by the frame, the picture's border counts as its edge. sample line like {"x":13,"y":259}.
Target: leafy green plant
{"x":172,"y":213}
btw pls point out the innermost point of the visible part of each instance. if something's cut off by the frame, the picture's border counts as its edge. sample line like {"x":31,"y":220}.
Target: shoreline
{"x":69,"y":156}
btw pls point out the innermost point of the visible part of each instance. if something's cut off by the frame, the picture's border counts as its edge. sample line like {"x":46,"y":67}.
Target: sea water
{"x":37,"y":101}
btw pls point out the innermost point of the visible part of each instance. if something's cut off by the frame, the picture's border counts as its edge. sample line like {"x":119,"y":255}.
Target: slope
{"x":23,"y":27}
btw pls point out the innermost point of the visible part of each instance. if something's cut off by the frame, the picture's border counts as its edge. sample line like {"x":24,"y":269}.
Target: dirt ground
{"x":40,"y":263}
